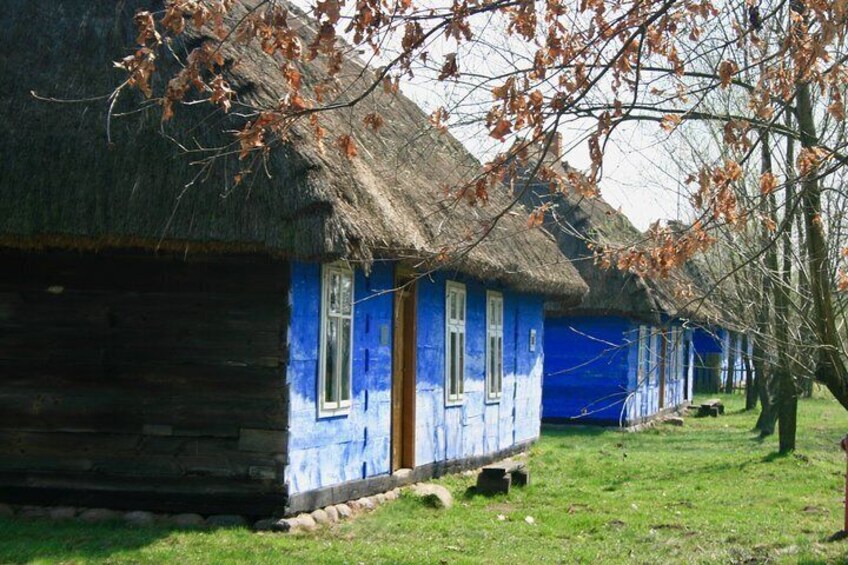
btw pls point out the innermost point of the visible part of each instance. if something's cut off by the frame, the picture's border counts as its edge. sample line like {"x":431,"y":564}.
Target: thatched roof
{"x":576,"y":221}
{"x":62,"y":186}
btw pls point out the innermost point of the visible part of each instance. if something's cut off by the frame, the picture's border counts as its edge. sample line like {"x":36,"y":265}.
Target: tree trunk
{"x":750,"y":390}
{"x":768,"y":412}
{"x":830,"y":367}
{"x":787,"y":393}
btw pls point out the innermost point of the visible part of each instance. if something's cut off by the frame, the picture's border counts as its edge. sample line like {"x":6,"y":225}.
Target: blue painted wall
{"x":734,"y":345}
{"x":327,"y":451}
{"x":476,"y":427}
{"x":707,"y":341}
{"x":587,"y":368}
{"x":591,"y":372}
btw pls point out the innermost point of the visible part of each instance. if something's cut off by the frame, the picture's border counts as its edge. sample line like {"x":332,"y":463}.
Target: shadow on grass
{"x":576,"y":430}
{"x":26,"y":541}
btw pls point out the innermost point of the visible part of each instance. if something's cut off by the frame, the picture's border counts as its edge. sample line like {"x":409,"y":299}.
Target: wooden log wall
{"x":157,"y":383}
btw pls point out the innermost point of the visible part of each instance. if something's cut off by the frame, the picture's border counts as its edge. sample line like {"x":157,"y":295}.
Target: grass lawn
{"x":706,"y":492}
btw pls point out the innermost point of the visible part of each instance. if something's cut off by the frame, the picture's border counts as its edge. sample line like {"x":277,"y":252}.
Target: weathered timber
{"x":154,"y":381}
{"x":497,"y":478}
{"x":712,"y":407}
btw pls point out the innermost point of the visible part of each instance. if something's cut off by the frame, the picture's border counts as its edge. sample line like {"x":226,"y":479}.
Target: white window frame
{"x":455,"y":325}
{"x":341,"y":406}
{"x":674,"y":353}
{"x":643,"y":356}
{"x":494,"y":330}
{"x":654,"y":350}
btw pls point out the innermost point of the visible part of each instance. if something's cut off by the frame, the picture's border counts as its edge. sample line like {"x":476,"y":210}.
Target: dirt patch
{"x":668,"y":527}
{"x":500,"y":508}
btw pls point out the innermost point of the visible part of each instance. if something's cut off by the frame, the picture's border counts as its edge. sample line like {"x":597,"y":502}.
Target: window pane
{"x":461,"y":369}
{"x":344,"y":374}
{"x":493,"y":367}
{"x":452,"y":388}
{"x":461,"y":306}
{"x":499,"y":359}
{"x":452,"y":301}
{"x":331,"y":354}
{"x":333,"y":291}
{"x":346,"y":292}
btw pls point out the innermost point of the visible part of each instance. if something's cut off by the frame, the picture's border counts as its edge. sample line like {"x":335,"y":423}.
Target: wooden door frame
{"x":404,"y":369}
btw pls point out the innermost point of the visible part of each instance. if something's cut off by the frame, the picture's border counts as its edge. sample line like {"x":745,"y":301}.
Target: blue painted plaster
{"x":587,"y":366}
{"x":328,"y":451}
{"x":476,"y":427}
{"x":591,"y":372}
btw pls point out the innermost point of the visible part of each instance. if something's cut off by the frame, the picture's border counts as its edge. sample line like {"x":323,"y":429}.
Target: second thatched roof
{"x":578,"y":222}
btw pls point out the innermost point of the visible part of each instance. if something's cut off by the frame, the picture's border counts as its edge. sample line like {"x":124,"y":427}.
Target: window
{"x":654,"y":354}
{"x":336,"y":349}
{"x":494,"y":345}
{"x":674,"y":353}
{"x":644,"y":357}
{"x":455,"y":342}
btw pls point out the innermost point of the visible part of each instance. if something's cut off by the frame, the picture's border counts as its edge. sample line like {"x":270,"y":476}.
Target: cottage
{"x":169,"y":341}
{"x":720,"y":359}
{"x":624,"y":354}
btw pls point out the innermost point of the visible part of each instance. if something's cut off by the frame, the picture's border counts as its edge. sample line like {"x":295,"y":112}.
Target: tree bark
{"x":750,"y":390}
{"x":830,"y":367}
{"x":768,"y":413}
{"x":787,"y":392}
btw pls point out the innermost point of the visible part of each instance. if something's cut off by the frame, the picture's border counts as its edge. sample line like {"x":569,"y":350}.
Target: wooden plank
{"x":141,"y":374}
{"x":263,"y":441}
{"x":205,"y":495}
{"x":503,"y":467}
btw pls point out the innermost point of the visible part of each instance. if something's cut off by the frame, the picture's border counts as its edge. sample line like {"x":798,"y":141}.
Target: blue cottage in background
{"x":722,"y":359}
{"x":328,"y":329}
{"x":624,"y":355}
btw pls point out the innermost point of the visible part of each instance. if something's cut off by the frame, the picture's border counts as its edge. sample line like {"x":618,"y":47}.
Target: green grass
{"x":706,"y":492}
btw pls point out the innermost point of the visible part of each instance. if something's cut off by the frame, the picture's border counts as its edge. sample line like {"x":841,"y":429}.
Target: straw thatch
{"x":578,"y":221}
{"x":62,"y":186}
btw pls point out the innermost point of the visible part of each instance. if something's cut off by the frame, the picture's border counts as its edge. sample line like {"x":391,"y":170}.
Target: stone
{"x":674,"y":421}
{"x":95,"y":515}
{"x":403,"y":474}
{"x":392,"y":495}
{"x":32,"y":512}
{"x":355,"y":506}
{"x":139,"y":518}
{"x":304,"y":522}
{"x":320,"y":517}
{"x":366,"y":503}
{"x":272,"y":525}
{"x":226,"y":521}
{"x":434,"y":495}
{"x":380,"y":498}
{"x":344,"y":511}
{"x":188,"y":521}
{"x":332,"y":514}
{"x":6,"y":511}
{"x":59,"y":513}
